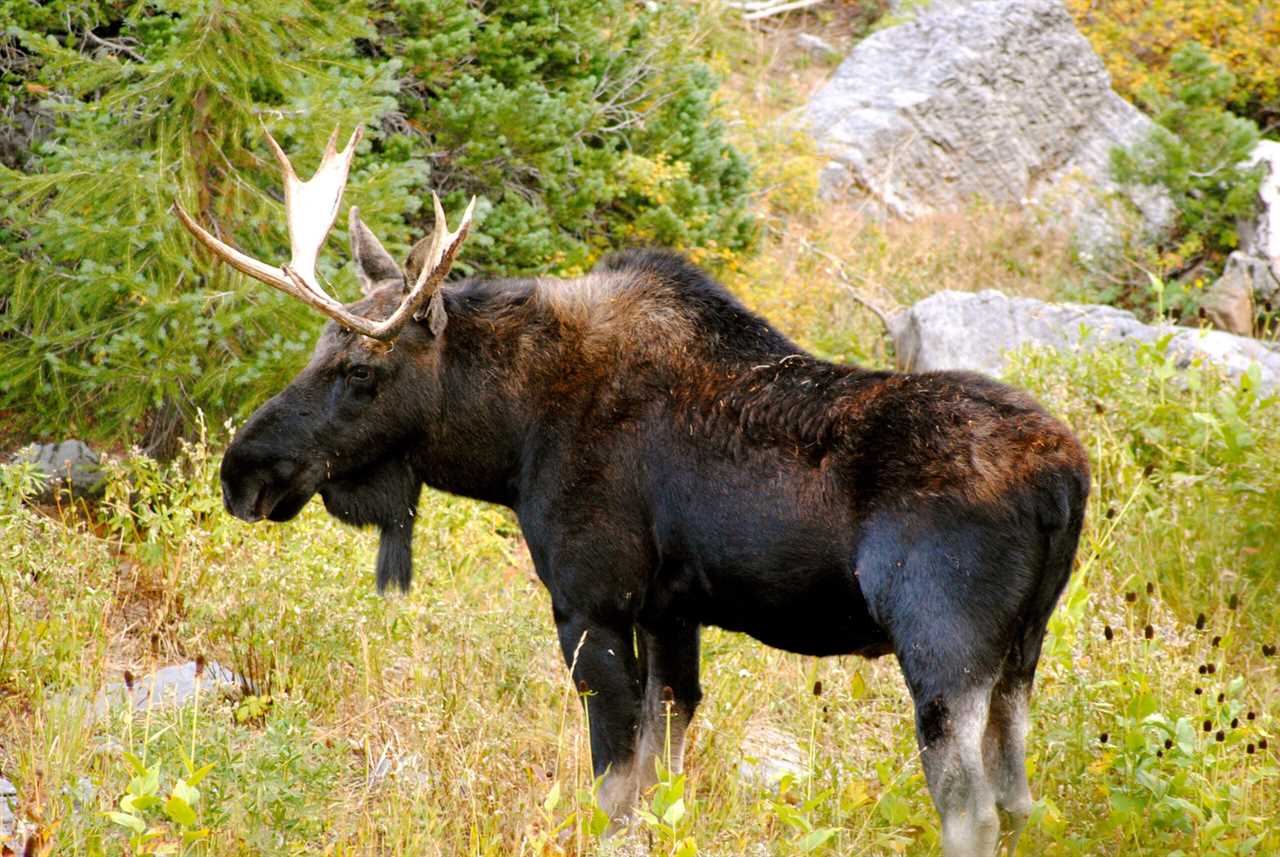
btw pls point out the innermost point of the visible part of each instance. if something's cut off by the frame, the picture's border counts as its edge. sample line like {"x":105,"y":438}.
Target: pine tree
{"x":1196,"y":152}
{"x":114,"y":318}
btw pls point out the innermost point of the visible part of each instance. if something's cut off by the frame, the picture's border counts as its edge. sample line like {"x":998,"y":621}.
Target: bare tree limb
{"x":113,"y":46}
{"x":757,"y":10}
{"x":848,"y":285}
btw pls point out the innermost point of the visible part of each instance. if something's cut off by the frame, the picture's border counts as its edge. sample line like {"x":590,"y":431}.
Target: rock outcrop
{"x":1260,"y":238}
{"x":1246,"y":285}
{"x":998,"y":99}
{"x":1250,"y":281}
{"x":8,"y":803}
{"x":968,"y":330}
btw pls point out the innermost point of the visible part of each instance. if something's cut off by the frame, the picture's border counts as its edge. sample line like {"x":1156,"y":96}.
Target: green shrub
{"x":1193,"y":456}
{"x":580,"y":126}
{"x":1137,"y":38}
{"x":115,"y":324}
{"x":1196,"y":152}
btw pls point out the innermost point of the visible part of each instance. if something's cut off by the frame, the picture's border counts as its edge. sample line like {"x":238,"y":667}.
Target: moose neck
{"x":482,"y":413}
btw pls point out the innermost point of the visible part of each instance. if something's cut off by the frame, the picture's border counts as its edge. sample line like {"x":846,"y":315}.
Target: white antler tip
{"x":281,"y":158}
{"x":356,"y":136}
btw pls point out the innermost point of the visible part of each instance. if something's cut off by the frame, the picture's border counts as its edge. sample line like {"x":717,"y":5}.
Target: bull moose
{"x":674,"y":461}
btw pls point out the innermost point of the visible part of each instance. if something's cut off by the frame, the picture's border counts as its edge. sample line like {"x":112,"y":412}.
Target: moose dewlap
{"x":674,"y":462}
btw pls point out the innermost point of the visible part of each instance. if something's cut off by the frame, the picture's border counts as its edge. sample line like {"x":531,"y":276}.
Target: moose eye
{"x":360,"y":374}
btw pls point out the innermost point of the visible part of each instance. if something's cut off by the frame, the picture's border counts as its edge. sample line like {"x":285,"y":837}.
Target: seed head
{"x":128,"y":680}
{"x":668,"y":695}
{"x":1221,"y":698}
{"x":1199,"y":690}
{"x":1168,"y":743}
{"x":1235,"y":722}
{"x":1249,"y":749}
{"x":200,"y":663}
{"x":1221,"y":736}
{"x":1208,"y":726}
{"x":1233,"y":602}
{"x":1200,"y":622}
{"x":1131,"y":597}
{"x":1104,"y":737}
{"x":1262,"y":743}
{"x":1250,"y":716}
{"x":1216,"y":641}
{"x":1148,"y":632}
{"x":1108,"y":633}
{"x":1151,"y":588}
{"x":817,"y":688}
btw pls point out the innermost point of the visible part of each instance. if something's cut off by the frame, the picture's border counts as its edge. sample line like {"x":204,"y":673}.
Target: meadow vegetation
{"x":443,"y":722}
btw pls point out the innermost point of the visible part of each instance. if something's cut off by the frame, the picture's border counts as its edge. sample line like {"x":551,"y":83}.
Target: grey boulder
{"x":171,"y":686}
{"x":1002,"y":100}
{"x":975,"y":331}
{"x":70,"y":468}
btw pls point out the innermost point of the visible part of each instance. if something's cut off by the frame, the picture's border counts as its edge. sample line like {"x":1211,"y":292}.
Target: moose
{"x":675,"y":462}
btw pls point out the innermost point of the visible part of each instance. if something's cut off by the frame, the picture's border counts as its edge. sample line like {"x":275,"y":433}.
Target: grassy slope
{"x":443,"y":723}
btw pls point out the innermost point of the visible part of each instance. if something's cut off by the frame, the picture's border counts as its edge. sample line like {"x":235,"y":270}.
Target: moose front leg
{"x":602,"y":658}
{"x":671,"y":695}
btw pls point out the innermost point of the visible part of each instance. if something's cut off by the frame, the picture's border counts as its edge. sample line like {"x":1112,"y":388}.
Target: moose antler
{"x":310,"y":208}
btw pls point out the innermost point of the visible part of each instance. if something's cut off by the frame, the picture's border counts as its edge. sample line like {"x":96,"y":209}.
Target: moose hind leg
{"x":951,"y":730}
{"x":1005,"y":753}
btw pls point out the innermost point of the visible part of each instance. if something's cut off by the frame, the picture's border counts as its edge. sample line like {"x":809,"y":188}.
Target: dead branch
{"x":847,"y":283}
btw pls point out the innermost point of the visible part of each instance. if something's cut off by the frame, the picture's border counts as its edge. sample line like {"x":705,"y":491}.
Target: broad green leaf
{"x":816,"y":839}
{"x":124,"y":819}
{"x":179,"y":811}
{"x":674,"y":813}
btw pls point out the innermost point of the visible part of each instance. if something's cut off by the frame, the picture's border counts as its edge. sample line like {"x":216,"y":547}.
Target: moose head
{"x":347,"y":426}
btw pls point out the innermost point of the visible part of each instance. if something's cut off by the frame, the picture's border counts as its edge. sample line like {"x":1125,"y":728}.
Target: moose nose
{"x":241,"y":500}
{"x":254,"y":479}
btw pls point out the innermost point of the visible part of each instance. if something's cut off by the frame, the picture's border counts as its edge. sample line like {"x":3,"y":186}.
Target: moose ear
{"x":417,"y":258}
{"x":374,"y":265}
{"x":436,"y":317}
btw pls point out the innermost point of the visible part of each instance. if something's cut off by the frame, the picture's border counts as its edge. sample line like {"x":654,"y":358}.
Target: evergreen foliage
{"x":1197,"y":152}
{"x":582,"y":124}
{"x":579,"y":125}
